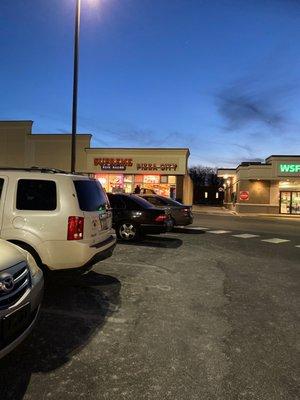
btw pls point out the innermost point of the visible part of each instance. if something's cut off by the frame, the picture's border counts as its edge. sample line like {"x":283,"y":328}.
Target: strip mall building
{"x":272,"y":187}
{"x":119,"y":169}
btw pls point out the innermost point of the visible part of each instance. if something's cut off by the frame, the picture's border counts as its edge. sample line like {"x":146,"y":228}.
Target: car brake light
{"x":161,"y":218}
{"x":75,"y":228}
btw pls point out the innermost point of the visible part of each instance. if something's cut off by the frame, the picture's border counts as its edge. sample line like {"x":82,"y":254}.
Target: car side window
{"x":148,"y":198}
{"x":35,"y":194}
{"x":156,"y":201}
{"x":117,"y":202}
{"x":171,"y":203}
{"x":131,"y":204}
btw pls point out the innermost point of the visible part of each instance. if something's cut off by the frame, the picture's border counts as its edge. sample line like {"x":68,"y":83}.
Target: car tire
{"x":128,"y":231}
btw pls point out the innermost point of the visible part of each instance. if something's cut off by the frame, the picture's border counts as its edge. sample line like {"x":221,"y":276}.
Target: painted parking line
{"x":219,"y":232}
{"x":245,"y":236}
{"x":192,"y":228}
{"x":197,"y":228}
{"x":275,"y":240}
{"x":298,"y":245}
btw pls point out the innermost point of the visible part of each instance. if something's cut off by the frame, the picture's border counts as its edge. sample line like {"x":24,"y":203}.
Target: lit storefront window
{"x":116,"y":183}
{"x":128,"y":183}
{"x":111,"y":182}
{"x":103,"y":179}
{"x":151,"y":179}
{"x":289,"y":197}
{"x":164,"y":185}
{"x":172,"y":179}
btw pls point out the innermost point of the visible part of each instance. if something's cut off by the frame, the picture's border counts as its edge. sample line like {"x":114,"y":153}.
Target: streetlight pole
{"x":75,"y":86}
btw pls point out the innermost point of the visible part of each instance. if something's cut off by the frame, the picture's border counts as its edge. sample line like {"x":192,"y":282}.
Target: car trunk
{"x":156,"y":212}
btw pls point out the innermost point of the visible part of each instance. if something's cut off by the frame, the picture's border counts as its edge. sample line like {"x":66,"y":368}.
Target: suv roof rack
{"x":37,"y":169}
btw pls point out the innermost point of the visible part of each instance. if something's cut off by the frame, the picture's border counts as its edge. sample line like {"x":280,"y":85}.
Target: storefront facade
{"x":272,"y":187}
{"x":163,"y":170}
{"x":123,"y":170}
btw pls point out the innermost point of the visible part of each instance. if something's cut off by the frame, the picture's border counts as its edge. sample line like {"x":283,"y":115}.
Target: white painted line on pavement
{"x":245,"y":236}
{"x":298,"y":245}
{"x":196,"y":228}
{"x":220,"y":232}
{"x":275,"y":240}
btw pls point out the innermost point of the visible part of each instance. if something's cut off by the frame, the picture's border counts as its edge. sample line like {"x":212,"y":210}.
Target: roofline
{"x":60,"y":134}
{"x":283,"y":156}
{"x":140,"y":148}
{"x":261,"y":164}
{"x":16,"y":120}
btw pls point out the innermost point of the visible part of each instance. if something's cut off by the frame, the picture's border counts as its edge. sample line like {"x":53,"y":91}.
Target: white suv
{"x":63,"y":220}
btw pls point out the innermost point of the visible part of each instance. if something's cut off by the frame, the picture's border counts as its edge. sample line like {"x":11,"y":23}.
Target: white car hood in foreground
{"x":9,"y":255}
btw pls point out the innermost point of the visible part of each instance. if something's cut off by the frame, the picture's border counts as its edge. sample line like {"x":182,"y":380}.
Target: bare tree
{"x":204,"y":176}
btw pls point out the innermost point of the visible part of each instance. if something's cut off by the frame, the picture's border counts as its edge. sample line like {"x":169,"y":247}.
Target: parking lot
{"x":179,"y":316}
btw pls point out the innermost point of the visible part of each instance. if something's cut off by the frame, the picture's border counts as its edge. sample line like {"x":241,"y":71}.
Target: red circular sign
{"x":244,"y":195}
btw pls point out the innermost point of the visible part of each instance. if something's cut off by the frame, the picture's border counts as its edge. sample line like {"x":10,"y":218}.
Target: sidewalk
{"x":202,"y":209}
{"x":214,"y":210}
{"x":288,"y":216}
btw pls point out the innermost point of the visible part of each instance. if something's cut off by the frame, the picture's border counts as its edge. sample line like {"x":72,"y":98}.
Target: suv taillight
{"x":75,"y":228}
{"x":161,"y":218}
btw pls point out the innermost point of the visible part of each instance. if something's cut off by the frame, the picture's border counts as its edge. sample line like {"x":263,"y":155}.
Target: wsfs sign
{"x":289,"y":168}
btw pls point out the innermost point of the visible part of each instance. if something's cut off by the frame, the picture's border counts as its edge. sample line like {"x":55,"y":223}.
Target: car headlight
{"x":34,"y":269}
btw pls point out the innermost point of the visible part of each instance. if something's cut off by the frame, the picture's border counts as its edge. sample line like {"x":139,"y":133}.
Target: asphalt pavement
{"x":207,"y":315}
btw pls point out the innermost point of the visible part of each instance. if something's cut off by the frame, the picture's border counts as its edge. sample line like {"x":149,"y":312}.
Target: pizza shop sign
{"x":120,"y":164}
{"x":156,"y":167}
{"x":113,"y":164}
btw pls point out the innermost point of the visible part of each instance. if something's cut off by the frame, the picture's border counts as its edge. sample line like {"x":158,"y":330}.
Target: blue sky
{"x":218,"y":76}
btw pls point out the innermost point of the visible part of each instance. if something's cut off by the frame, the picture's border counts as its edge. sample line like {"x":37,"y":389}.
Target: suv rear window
{"x":35,"y":194}
{"x":90,"y":195}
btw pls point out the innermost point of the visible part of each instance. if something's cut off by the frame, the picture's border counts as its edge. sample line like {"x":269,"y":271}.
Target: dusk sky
{"x":221,"y":77}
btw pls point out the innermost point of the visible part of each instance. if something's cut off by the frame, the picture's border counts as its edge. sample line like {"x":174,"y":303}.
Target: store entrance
{"x":290,"y":202}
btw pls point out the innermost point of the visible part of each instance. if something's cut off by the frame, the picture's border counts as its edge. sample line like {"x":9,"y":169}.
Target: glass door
{"x":285,"y":202}
{"x":295,"y":205}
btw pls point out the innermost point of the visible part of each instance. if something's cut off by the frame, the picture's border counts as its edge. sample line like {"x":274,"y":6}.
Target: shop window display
{"x":163,"y":185}
{"x":295,"y":209}
{"x":103,"y":179}
{"x":290,"y":202}
{"x":128,"y":183}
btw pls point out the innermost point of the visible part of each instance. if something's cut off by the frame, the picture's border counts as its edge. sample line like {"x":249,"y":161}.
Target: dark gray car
{"x":180,"y":213}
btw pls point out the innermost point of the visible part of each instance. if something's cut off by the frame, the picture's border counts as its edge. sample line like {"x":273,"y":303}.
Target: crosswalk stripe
{"x":275,"y":240}
{"x":219,"y":232}
{"x":245,"y":236}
